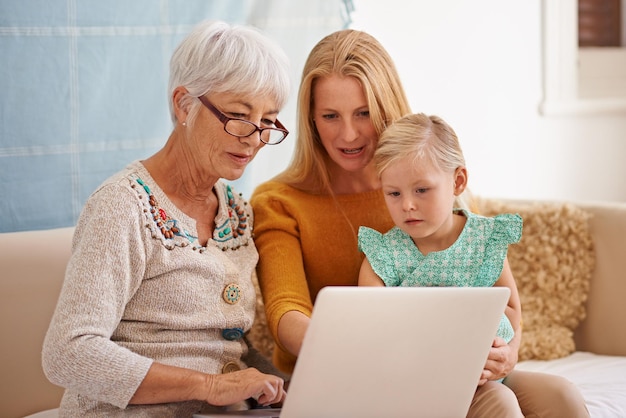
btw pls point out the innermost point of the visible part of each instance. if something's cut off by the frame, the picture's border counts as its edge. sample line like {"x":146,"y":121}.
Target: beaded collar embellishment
{"x":231,"y":234}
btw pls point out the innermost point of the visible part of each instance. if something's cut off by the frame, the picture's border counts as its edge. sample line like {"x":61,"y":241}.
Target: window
{"x":585,"y":79}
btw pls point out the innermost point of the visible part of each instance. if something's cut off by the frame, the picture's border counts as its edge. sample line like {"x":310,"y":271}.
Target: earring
{"x":184,"y":124}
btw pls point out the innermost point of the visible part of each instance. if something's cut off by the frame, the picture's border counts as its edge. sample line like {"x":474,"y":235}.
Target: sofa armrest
{"x":33,"y":267}
{"x":603,"y":331}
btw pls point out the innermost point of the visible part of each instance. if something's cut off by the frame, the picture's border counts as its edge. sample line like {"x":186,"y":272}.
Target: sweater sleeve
{"x":280,"y":270}
{"x":105,"y":269}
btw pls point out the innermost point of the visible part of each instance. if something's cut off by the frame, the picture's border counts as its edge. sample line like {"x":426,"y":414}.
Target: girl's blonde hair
{"x":420,"y":136}
{"x":348,"y":53}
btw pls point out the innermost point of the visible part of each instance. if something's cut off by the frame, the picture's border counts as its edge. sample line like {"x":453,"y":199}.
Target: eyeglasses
{"x":242,"y":128}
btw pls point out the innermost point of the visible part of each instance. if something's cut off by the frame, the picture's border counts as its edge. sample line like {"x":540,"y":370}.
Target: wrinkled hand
{"x":230,"y":388}
{"x":500,"y":361}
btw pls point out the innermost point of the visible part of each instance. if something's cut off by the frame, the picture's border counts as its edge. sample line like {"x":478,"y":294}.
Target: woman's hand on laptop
{"x":501,"y":360}
{"x":230,"y":388}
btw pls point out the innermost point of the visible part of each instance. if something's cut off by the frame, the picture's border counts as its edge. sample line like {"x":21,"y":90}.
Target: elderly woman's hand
{"x":229,"y":388}
{"x":501,"y":360}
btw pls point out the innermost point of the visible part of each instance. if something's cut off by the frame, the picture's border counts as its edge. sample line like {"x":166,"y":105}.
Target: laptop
{"x":391,"y":352}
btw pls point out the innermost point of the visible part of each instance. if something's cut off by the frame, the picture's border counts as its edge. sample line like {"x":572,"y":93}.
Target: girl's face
{"x":341,"y":116}
{"x":420,"y":197}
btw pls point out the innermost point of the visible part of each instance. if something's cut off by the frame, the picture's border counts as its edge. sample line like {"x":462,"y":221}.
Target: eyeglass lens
{"x":244,"y":128}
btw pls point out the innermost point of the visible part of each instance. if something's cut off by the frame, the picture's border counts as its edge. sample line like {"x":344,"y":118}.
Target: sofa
{"x":570,"y":267}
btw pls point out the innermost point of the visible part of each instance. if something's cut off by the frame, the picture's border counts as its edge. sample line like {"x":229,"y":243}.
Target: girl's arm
{"x":513,"y":309}
{"x":503,"y":357}
{"x":367,"y":276}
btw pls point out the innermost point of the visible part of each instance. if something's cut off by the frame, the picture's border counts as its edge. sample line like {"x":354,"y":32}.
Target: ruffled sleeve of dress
{"x":379,"y":254}
{"x":506,"y":229}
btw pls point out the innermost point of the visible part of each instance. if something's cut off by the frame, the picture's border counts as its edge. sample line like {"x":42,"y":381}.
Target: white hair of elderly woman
{"x":219,"y":57}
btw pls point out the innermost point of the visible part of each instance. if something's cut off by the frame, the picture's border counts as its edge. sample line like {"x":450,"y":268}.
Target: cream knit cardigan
{"x":131,"y":296}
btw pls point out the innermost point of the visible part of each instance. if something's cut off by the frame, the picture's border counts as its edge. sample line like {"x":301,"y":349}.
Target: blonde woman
{"x":308,"y":216}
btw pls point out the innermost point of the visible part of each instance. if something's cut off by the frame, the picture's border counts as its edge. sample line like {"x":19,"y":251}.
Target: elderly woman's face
{"x":224,"y":155}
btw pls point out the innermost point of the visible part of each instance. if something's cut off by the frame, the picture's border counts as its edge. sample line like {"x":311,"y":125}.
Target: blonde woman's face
{"x":342,"y":119}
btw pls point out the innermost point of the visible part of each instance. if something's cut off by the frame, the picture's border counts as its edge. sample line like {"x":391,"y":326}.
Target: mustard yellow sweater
{"x":306,"y":242}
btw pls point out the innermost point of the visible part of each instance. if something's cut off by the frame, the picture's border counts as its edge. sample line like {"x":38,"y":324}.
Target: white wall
{"x":478,"y":65}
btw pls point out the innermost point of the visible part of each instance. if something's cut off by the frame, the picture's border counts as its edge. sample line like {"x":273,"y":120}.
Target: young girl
{"x":422,"y":171}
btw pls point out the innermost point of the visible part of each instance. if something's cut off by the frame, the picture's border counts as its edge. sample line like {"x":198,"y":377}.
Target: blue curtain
{"x":84,"y":85}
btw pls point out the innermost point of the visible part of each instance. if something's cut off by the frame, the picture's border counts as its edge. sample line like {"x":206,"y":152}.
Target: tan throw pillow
{"x":552,"y":265}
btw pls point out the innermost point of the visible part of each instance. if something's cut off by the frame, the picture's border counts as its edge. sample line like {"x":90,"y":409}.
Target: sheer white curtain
{"x":84,"y":91}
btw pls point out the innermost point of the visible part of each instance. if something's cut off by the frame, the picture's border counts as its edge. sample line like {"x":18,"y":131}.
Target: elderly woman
{"x":158,"y":294}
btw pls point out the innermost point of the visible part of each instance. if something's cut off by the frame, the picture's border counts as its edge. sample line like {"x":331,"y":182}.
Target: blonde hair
{"x":420,"y":136}
{"x":348,"y":53}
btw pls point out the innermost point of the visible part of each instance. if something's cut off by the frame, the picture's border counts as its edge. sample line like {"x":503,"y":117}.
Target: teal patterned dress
{"x":476,"y":258}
